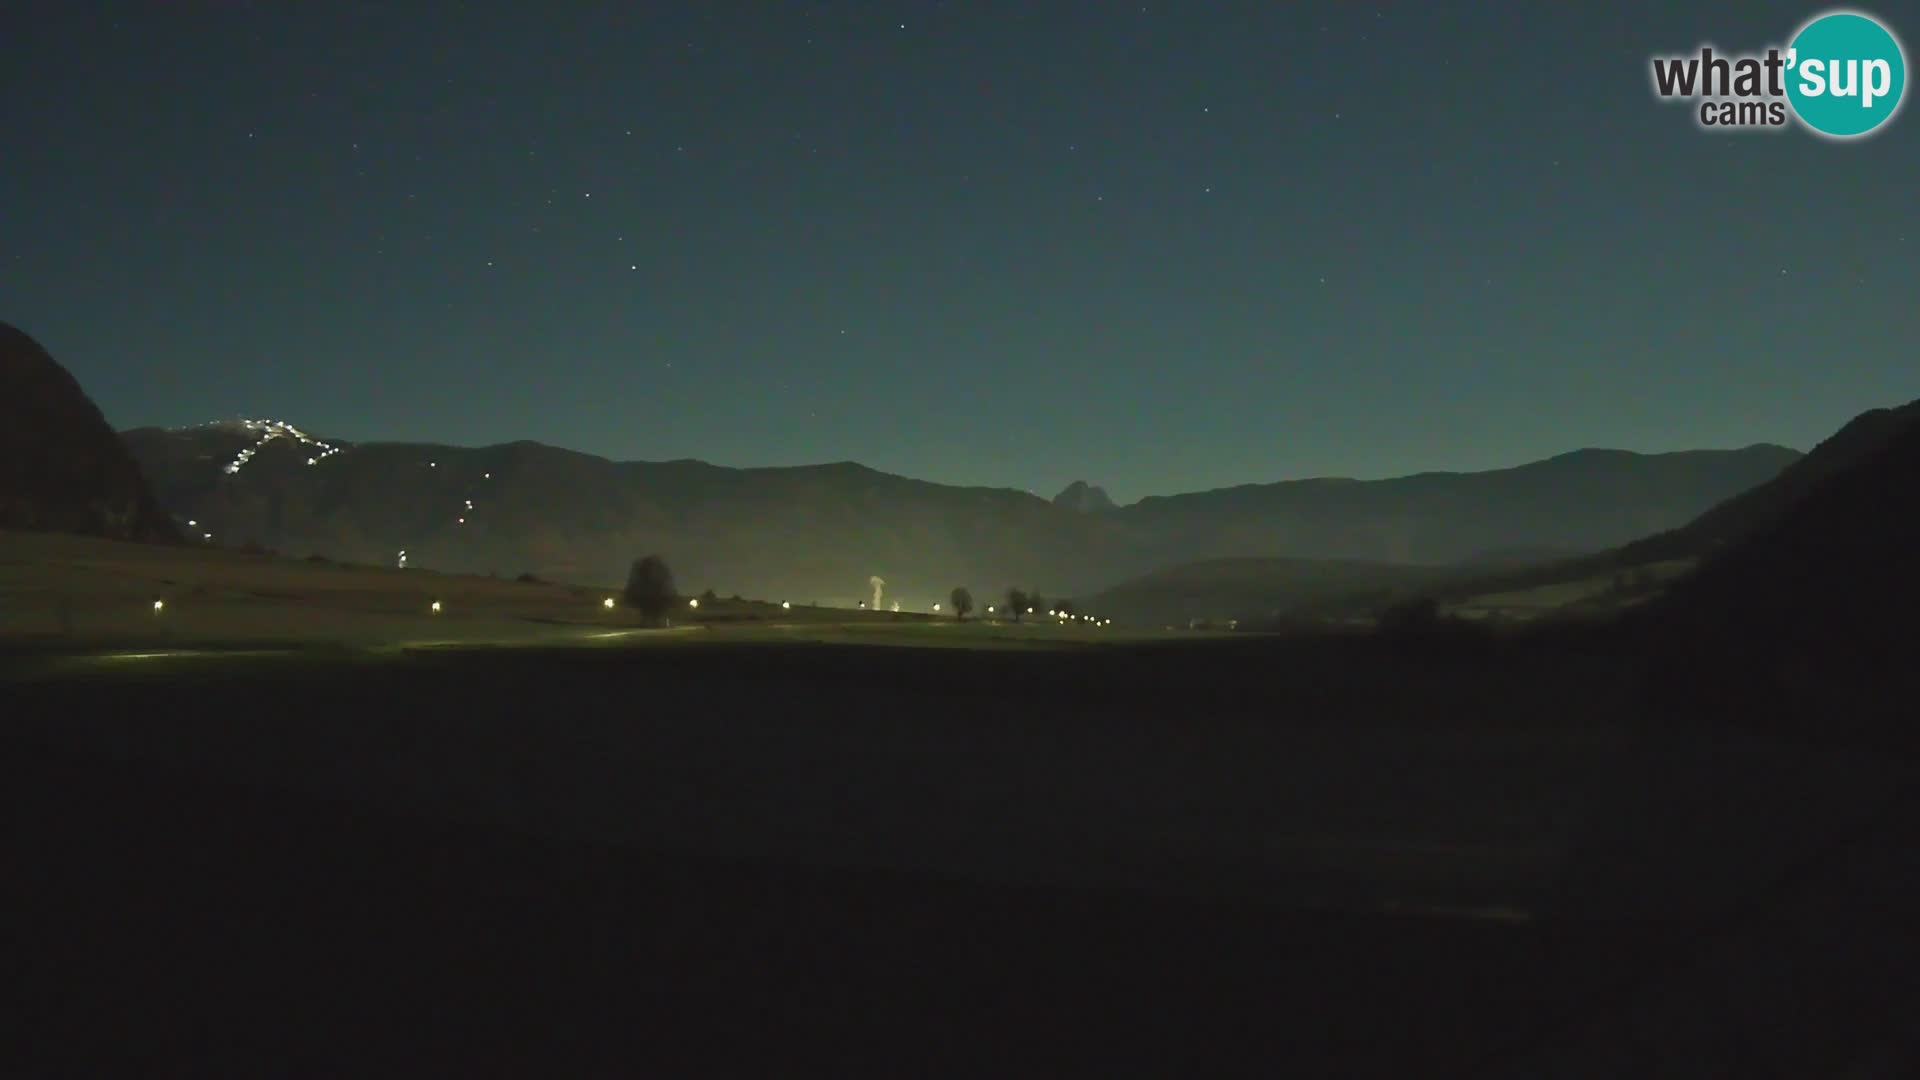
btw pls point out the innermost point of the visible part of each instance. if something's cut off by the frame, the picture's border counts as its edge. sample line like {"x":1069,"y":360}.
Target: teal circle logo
{"x":1846,"y":74}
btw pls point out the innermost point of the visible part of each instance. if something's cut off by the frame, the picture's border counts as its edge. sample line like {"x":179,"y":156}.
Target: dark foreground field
{"x":769,"y":860}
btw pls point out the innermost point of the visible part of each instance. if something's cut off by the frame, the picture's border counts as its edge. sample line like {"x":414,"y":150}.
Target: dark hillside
{"x":62,"y":467}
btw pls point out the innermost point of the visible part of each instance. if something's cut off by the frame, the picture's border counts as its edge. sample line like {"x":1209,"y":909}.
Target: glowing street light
{"x":694,"y":603}
{"x":607,"y":603}
{"x":1029,"y":611}
{"x":989,"y":609}
{"x":786,"y":605}
{"x":936,"y":607}
{"x":159,"y":606}
{"x":434,"y":607}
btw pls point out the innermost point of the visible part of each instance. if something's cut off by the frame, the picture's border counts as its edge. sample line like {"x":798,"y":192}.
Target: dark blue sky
{"x":1161,"y":248}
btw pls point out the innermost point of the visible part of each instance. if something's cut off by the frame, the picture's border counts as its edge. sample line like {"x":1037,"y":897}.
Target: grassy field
{"x":79,"y":592}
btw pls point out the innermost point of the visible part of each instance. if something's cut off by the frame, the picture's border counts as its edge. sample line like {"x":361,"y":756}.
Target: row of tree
{"x":650,"y":591}
{"x":1020,"y":603}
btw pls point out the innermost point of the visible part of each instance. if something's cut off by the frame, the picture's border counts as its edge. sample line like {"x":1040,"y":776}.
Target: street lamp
{"x":694,"y":602}
{"x":434,"y":607}
{"x":607,"y":603}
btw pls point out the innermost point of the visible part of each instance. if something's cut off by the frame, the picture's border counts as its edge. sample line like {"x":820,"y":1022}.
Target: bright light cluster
{"x":269,"y":430}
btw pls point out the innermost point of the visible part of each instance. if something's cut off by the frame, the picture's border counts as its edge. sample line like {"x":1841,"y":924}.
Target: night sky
{"x":1161,"y":248}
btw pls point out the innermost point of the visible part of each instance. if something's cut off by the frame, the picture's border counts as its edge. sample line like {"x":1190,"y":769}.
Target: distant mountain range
{"x":809,"y":533}
{"x":817,"y":533}
{"x":1261,"y":588}
{"x":1736,"y":518}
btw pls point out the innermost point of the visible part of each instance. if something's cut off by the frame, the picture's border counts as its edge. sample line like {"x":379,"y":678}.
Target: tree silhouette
{"x":1017,"y":602}
{"x":962,"y":602}
{"x":650,"y":588}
